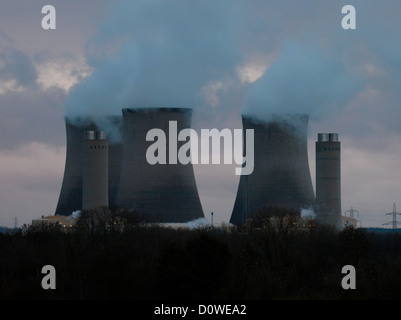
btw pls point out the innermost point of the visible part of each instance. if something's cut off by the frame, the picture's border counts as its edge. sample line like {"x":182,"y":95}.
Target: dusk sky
{"x":222,"y":58}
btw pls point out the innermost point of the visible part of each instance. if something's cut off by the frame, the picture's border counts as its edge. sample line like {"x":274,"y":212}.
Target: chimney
{"x":70,"y":198}
{"x":95,"y":171}
{"x":328,"y":180}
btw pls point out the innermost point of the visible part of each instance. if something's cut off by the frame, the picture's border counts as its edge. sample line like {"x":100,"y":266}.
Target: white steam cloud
{"x":308,"y":213}
{"x":303,"y":79}
{"x":208,"y":54}
{"x":160,"y":54}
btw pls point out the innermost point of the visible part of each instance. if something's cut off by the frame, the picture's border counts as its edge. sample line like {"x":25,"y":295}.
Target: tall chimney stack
{"x":95,"y":185}
{"x":70,"y":198}
{"x":328,"y":180}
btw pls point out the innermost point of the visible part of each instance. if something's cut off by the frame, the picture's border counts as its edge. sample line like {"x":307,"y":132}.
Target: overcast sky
{"x":222,"y":58}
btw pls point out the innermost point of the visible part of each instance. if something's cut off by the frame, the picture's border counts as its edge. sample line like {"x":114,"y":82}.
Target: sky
{"x":222,"y":58}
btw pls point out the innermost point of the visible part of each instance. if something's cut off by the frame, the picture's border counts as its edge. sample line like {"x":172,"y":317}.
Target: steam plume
{"x":158,"y":53}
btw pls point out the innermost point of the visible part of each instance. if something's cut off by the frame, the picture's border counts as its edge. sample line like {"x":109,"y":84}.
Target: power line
{"x":351,"y":212}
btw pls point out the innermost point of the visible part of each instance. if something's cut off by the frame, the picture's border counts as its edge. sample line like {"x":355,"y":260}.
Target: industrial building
{"x":349,"y":222}
{"x":164,"y":192}
{"x":60,"y":221}
{"x":106,"y":165}
{"x":281,"y":176}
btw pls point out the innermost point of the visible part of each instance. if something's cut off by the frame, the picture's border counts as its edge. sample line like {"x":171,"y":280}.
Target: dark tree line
{"x":115,"y":256}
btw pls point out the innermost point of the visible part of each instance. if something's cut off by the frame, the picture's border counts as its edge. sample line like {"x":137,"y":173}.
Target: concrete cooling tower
{"x":165,"y":192}
{"x":70,"y":198}
{"x":328,"y":180}
{"x":281,"y":176}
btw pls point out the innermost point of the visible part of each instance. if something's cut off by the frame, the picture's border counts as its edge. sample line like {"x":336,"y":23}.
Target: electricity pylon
{"x":394,"y":222}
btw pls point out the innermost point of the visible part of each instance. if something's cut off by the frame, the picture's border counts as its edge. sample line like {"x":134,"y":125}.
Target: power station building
{"x":115,"y":172}
{"x":281,"y":176}
{"x":106,"y":165}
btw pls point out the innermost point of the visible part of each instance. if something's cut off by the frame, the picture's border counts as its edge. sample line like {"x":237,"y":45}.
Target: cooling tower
{"x":70,"y":198}
{"x":281,"y":176}
{"x":95,"y":186}
{"x":328,"y":180}
{"x":165,"y":192}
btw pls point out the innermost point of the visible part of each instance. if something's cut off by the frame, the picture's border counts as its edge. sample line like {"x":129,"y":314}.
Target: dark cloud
{"x":16,"y":66}
{"x":32,"y":116}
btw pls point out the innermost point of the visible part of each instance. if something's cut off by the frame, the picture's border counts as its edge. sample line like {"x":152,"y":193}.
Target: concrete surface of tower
{"x":281,"y":176}
{"x":95,"y":174}
{"x":328,"y":180}
{"x":165,"y":192}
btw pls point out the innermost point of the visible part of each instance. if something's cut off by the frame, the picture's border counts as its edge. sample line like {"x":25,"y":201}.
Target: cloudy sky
{"x":221,"y":58}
